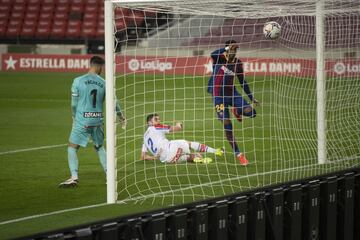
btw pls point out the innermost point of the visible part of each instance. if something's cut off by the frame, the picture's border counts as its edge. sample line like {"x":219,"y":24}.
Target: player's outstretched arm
{"x":177,"y":127}
{"x":145,"y":156}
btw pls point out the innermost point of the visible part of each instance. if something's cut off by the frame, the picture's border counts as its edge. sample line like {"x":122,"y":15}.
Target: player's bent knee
{"x":250,"y":112}
{"x":73,"y":145}
{"x":97,"y":147}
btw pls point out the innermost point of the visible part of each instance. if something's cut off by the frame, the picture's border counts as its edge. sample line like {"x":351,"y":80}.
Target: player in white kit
{"x":174,"y":151}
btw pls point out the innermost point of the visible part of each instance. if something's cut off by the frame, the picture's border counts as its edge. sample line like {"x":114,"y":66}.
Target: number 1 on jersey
{"x":93,"y":94}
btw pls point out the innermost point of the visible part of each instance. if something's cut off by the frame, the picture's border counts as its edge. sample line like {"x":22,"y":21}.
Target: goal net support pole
{"x":110,"y":103}
{"x":320,"y":83}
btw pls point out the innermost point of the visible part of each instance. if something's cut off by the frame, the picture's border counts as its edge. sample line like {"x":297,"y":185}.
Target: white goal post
{"x":285,"y":133}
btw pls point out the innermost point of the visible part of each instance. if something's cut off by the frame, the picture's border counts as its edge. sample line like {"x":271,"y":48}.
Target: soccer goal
{"x":307,"y":82}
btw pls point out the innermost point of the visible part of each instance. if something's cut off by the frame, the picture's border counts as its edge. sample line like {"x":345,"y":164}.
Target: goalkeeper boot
{"x":220,"y":152}
{"x":238,"y":116}
{"x":69,"y":183}
{"x":242,"y":159}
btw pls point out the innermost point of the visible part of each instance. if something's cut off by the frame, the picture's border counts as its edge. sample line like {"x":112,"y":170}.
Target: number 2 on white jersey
{"x":151,"y":144}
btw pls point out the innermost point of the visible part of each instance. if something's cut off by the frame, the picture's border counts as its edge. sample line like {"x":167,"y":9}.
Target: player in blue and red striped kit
{"x":222,"y":87}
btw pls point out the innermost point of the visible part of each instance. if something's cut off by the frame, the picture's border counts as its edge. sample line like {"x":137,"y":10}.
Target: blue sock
{"x":230,"y":137}
{"x":102,"y":157}
{"x":73,"y":162}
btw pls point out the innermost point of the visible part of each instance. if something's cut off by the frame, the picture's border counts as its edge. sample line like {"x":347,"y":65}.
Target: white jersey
{"x":155,"y":140}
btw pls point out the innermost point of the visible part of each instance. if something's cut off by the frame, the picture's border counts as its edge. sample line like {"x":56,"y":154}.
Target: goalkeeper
{"x":221,"y":85}
{"x":88,"y":94}
{"x":173,"y":151}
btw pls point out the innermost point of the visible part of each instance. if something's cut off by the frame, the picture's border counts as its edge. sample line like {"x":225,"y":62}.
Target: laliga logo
{"x":341,"y":68}
{"x":135,"y":65}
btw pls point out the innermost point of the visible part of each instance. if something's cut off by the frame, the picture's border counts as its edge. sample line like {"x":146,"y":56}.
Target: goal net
{"x":162,"y":65}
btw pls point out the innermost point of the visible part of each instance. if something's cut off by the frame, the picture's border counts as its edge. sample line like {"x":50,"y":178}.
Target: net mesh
{"x":163,"y":65}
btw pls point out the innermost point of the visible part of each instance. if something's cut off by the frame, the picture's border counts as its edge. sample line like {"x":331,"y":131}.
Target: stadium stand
{"x":248,"y":32}
{"x":69,"y":21}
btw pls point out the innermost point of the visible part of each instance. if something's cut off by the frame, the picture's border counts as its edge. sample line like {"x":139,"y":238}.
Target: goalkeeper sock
{"x":73,"y":162}
{"x":230,"y":137}
{"x":199,"y":147}
{"x":102,"y":157}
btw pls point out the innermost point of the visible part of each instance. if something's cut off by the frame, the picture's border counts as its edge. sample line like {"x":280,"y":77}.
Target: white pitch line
{"x":43,"y":147}
{"x":159,"y":193}
{"x":33,"y":149}
{"x":50,"y":213}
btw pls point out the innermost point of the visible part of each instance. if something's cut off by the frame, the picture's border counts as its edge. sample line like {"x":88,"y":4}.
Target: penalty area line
{"x":32,"y":149}
{"x":53,"y":213}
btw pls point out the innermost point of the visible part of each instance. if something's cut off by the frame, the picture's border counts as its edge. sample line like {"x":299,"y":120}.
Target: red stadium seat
{"x":47,"y":16}
{"x":92,"y":2}
{"x":13,"y":31}
{"x":2,"y":30}
{"x":17,"y":15}
{"x":59,"y":23}
{"x":3,"y":22}
{"x":120,"y":24}
{"x":28,"y":31}
{"x":74,"y":24}
{"x":60,"y":16}
{"x":34,"y":2}
{"x":42,"y":32}
{"x":63,"y":2}
{"x":15,"y":23}
{"x":135,"y":18}
{"x":18,"y":8}
{"x":6,"y":2}
{"x":62,"y":8}
{"x":48,"y":2}
{"x":73,"y":32}
{"x":20,"y":2}
{"x":44,"y":23}
{"x":90,"y":16}
{"x":91,"y":9}
{"x":48,"y":8}
{"x":78,"y":2}
{"x":90,"y":24}
{"x":5,"y":8}
{"x":29,"y":23}
{"x":77,"y":8}
{"x":57,"y":32}
{"x":31,"y":16}
{"x":100,"y":33}
{"x":33,"y":8}
{"x":101,"y":24}
{"x":4,"y":15}
{"x":88,"y":32}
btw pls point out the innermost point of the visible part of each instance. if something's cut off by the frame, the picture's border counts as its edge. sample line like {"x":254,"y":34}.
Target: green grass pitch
{"x":35,"y":122}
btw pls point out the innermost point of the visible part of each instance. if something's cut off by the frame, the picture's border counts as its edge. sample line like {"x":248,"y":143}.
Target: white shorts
{"x":176,"y":151}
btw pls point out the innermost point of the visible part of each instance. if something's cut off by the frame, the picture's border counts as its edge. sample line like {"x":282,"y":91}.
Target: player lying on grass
{"x":88,"y":94}
{"x":222,"y":87}
{"x":173,"y":151}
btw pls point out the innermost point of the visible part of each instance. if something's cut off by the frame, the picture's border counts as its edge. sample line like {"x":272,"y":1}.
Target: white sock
{"x":199,"y":147}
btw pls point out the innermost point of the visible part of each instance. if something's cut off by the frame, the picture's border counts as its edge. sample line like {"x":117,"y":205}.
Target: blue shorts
{"x":222,"y":104}
{"x":80,"y":135}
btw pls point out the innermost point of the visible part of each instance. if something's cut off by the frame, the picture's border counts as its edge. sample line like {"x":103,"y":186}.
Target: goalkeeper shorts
{"x":80,"y":135}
